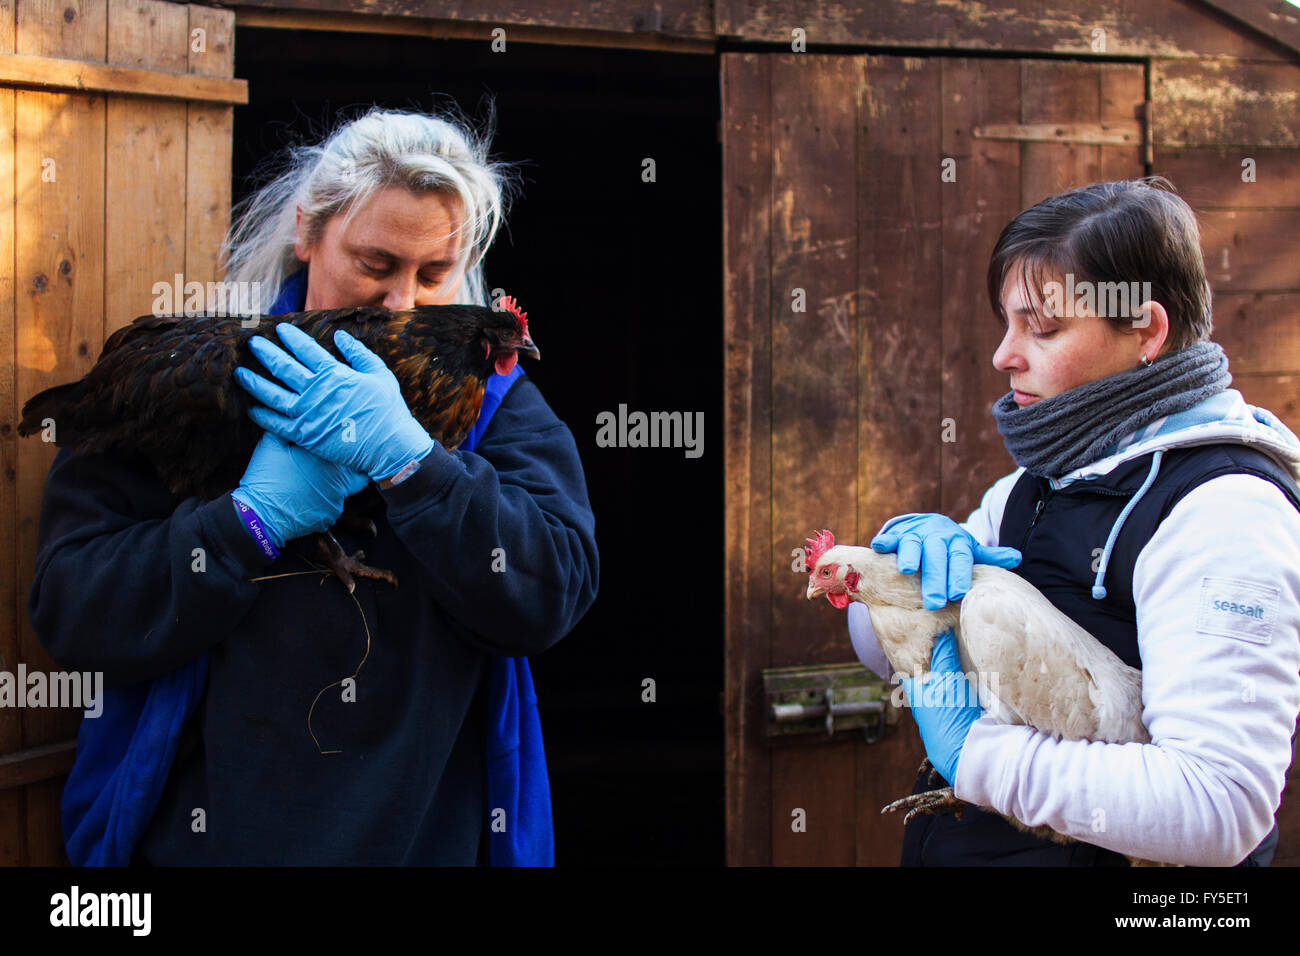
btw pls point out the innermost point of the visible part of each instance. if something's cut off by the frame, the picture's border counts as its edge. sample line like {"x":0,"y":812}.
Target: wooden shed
{"x":870,"y":156}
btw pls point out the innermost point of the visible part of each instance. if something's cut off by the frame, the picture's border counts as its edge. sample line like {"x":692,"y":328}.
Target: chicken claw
{"x":345,"y":566}
{"x":931,"y":801}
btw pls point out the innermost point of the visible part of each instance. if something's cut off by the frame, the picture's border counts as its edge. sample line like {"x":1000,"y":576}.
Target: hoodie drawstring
{"x":1098,"y":589}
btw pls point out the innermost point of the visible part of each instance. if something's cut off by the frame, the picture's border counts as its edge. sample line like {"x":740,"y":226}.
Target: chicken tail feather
{"x":53,"y":403}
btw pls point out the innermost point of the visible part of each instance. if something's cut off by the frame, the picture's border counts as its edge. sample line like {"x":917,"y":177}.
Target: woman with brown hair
{"x":1155,"y":508}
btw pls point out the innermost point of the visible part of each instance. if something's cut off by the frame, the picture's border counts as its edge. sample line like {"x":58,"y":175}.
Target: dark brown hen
{"x":164,"y":388}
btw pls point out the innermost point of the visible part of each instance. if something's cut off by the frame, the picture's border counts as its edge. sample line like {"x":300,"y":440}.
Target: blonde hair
{"x":382,"y":148}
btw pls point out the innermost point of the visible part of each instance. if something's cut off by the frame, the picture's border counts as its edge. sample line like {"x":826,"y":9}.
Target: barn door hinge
{"x":1114,"y":133}
{"x":825,"y":700}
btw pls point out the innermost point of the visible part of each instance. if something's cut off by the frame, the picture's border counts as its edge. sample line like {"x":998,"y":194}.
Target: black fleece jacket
{"x":132,"y":582}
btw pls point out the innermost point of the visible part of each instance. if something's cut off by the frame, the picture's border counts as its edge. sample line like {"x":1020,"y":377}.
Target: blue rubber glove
{"x":293,"y":491}
{"x":944,"y":551}
{"x":944,"y":705}
{"x":353,"y":415}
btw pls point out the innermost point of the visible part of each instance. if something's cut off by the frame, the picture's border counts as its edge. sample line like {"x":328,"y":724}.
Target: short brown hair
{"x":1128,"y":231}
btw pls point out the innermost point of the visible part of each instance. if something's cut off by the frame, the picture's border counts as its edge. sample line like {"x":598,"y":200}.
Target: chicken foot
{"x":345,"y":566}
{"x":931,"y":801}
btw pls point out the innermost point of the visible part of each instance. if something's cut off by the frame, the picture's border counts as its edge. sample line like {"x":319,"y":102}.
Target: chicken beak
{"x":814,"y":591}
{"x":528,"y":348}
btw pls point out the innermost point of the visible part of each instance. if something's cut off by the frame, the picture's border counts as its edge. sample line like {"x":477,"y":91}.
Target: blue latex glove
{"x":293,"y":491}
{"x":353,"y":415}
{"x":944,"y":705}
{"x":944,"y":551}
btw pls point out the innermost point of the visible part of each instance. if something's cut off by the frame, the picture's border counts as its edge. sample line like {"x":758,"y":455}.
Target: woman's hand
{"x":353,"y":415}
{"x":944,"y":704}
{"x":294,"y":492}
{"x":943,"y":550}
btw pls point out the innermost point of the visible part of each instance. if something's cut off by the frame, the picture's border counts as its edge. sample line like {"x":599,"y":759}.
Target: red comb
{"x":507,"y":302}
{"x":818,"y":546}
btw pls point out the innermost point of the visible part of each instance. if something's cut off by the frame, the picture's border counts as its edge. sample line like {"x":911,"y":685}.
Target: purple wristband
{"x":254,"y":525}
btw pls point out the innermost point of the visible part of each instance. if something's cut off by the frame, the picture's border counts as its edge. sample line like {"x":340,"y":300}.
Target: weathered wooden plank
{"x":668,"y":17}
{"x":73,"y":29}
{"x":1251,"y":250}
{"x":209,"y":138}
{"x":44,"y":823}
{"x":814,"y":401}
{"x":899,"y":268}
{"x":146,"y":162}
{"x":1055,"y":92}
{"x":1165,"y":28}
{"x":59,"y":250}
{"x":1128,"y":133}
{"x":1226,"y":104}
{"x":1274,"y":18}
{"x":1260,"y":332}
{"x":36,"y":764}
{"x":1280,"y":394}
{"x":1109,"y":93}
{"x":1288,"y":816}
{"x":747,"y":410}
{"x":813,"y":789}
{"x":58,"y":268}
{"x":12,"y":815}
{"x":1213,"y":178}
{"x":58,"y":73}
{"x":985,"y":197}
{"x":1123,"y":93}
{"x":281,"y":19}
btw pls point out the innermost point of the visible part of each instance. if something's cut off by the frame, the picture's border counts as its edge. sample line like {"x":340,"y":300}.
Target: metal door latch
{"x":826,"y":699}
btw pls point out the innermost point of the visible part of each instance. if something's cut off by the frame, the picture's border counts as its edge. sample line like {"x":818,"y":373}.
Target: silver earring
{"x":1146,"y":362}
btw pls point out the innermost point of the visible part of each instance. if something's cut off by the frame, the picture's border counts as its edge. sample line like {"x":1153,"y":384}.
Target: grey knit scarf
{"x":1054,"y":436}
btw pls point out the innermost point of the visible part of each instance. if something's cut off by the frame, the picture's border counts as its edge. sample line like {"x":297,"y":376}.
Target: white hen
{"x":1034,"y":664}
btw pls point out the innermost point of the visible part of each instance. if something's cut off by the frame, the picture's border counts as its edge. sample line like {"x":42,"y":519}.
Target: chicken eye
{"x":826,"y":572}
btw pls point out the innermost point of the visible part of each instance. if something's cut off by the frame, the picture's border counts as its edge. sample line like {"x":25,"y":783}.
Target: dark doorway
{"x":621,"y":279}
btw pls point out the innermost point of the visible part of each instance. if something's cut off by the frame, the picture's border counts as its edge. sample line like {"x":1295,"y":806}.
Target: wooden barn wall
{"x":833,"y":415}
{"x":830,"y":186}
{"x":1228,"y":136}
{"x":1143,"y":28}
{"x":631,"y":23}
{"x":101,"y":196}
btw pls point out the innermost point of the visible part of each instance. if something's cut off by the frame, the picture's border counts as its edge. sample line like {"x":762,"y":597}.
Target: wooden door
{"x":115,"y":137}
{"x":874,"y":400}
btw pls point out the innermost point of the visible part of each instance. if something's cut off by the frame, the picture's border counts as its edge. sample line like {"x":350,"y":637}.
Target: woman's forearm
{"x":125,"y":588}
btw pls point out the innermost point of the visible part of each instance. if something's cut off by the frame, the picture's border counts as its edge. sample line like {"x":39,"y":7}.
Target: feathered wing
{"x":162,"y":387}
{"x":1043,"y":668}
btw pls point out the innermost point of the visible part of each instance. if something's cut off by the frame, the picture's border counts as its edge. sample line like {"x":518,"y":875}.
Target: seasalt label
{"x":1232,"y":607}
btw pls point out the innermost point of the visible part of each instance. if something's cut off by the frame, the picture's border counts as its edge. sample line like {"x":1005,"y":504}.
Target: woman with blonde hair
{"x":205,"y":756}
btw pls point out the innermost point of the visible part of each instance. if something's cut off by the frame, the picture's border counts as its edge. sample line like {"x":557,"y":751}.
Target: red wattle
{"x":839,"y":600}
{"x":506,"y":362}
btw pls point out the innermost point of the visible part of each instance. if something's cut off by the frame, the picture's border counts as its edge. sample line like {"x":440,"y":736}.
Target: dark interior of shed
{"x":621,"y":279}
